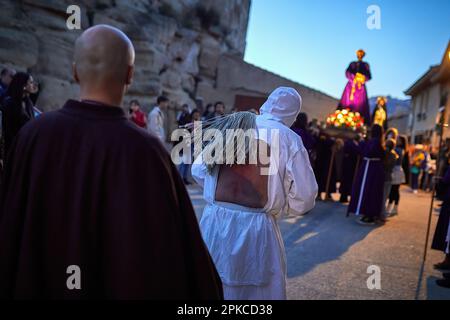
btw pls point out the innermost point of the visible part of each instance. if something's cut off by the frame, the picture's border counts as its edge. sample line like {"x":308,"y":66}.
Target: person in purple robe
{"x":300,"y":127}
{"x":350,"y":164}
{"x":367,"y":192}
{"x":324,"y":169}
{"x":91,"y":206}
{"x":355,"y":93}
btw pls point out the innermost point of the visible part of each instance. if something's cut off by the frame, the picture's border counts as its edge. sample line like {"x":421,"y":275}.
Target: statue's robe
{"x":358,"y":101}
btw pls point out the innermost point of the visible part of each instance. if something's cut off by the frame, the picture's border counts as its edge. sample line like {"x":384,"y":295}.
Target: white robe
{"x":156,"y":124}
{"x":246,"y":243}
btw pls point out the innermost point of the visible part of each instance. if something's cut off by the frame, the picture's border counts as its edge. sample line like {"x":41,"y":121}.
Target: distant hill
{"x":395,"y":107}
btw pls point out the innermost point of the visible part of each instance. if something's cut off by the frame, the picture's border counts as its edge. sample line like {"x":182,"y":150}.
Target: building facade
{"x":430,"y":96}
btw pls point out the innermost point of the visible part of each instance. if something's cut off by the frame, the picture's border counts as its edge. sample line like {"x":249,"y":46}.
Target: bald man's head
{"x":104,"y":58}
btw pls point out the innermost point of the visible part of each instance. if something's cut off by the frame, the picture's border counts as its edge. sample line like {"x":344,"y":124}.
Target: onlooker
{"x":184,"y":116}
{"x":35,"y":95}
{"x":6,"y":77}
{"x":390,"y":161}
{"x":406,"y":164}
{"x":184,"y":166}
{"x":431,"y":172}
{"x":416,"y":166}
{"x":209,"y":112}
{"x":425,"y":166}
{"x":156,"y":119}
{"x":219,"y":109}
{"x":398,"y":176}
{"x":428,"y":170}
{"x":17,"y":107}
{"x":392,"y":133}
{"x":136,"y":114}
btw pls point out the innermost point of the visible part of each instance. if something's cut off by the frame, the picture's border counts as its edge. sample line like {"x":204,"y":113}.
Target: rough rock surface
{"x":178,"y":42}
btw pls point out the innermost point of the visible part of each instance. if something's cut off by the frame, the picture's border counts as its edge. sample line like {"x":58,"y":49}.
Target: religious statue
{"x":379,"y":115}
{"x":355,"y":93}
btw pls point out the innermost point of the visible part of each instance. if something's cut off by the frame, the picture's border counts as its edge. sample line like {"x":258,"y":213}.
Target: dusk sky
{"x":312,"y":42}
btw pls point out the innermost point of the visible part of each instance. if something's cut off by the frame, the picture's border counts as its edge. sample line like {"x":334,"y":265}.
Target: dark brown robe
{"x":84,"y":186}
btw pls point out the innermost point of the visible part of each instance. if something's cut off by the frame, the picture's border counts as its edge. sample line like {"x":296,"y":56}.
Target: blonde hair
{"x":394,"y":131}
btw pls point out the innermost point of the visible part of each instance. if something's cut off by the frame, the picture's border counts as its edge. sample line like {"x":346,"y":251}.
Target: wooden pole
{"x":330,"y":170}
{"x":354,"y":177}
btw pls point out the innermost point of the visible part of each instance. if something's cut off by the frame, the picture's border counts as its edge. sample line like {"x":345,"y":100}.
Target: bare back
{"x":243,"y":184}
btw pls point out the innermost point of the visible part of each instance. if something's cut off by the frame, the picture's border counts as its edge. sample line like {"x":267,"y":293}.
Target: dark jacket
{"x":15,"y":116}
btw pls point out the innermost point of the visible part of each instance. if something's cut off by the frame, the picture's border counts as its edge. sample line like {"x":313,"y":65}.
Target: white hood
{"x":283,"y":105}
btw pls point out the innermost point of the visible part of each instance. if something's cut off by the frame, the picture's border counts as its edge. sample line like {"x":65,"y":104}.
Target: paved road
{"x":328,"y":254}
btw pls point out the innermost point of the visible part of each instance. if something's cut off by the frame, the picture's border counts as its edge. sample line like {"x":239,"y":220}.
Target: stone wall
{"x":177,"y":42}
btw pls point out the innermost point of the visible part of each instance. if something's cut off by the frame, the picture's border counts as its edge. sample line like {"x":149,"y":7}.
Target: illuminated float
{"x":345,"y":124}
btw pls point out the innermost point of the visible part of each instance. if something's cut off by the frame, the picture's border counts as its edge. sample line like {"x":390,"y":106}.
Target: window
{"x":420,"y":107}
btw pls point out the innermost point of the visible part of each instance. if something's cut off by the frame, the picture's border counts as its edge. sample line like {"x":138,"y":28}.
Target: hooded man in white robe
{"x":239,"y":222}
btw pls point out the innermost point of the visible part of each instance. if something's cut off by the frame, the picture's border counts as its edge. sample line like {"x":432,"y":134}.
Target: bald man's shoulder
{"x":114,"y":132}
